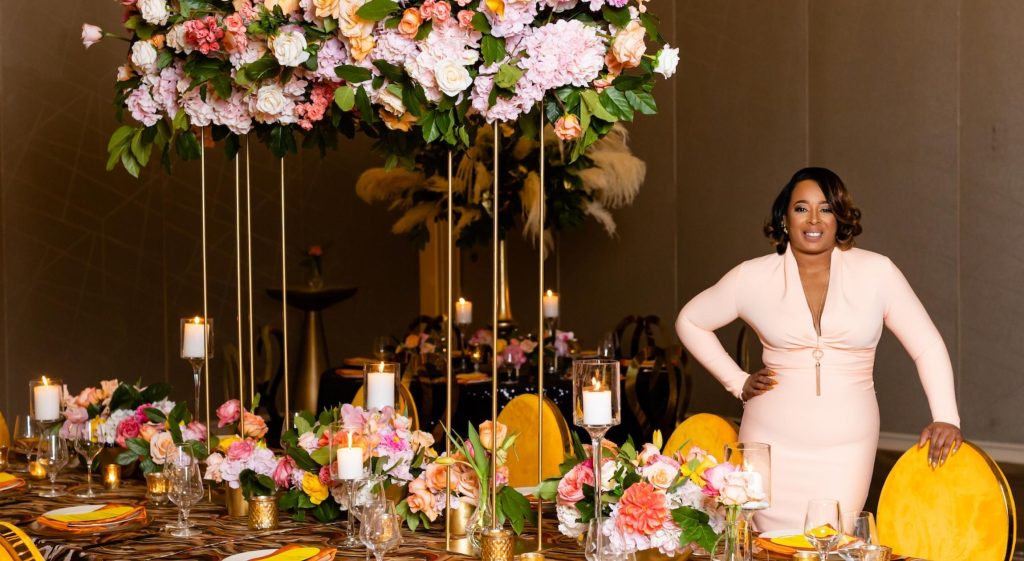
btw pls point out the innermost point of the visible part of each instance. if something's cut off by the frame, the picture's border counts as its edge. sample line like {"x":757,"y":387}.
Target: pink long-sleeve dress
{"x":823,"y":446}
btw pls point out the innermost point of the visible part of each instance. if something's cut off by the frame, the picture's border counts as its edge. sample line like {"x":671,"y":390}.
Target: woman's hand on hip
{"x":757,"y":383}
{"x":945,"y":438}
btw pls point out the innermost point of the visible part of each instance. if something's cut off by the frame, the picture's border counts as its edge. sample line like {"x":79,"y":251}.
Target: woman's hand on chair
{"x":757,"y":383}
{"x":945,"y":438}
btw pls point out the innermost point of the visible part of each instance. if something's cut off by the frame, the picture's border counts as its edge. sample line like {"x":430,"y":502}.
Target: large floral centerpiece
{"x":439,"y":69}
{"x":393,"y":451}
{"x":139,"y":419}
{"x":242,"y":454}
{"x":469,"y":482}
{"x":649,"y":500}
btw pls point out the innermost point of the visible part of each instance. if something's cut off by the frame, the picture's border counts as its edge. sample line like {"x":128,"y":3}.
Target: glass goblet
{"x":52,"y":455}
{"x":823,"y":526}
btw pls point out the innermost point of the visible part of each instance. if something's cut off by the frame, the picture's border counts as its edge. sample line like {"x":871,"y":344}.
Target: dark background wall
{"x":916,"y":104}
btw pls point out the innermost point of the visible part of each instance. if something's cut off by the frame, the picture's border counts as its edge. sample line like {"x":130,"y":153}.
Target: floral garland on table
{"x":240,"y":456}
{"x":320,"y":67}
{"x":138,"y":418}
{"x":470,"y":465}
{"x":649,"y":500}
{"x":394,"y":450}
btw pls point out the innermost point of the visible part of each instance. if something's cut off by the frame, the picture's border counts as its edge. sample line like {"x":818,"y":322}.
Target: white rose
{"x":270,"y":100}
{"x":144,"y":56}
{"x":290,"y":48}
{"x":349,"y":23}
{"x":176,"y":40}
{"x":452,"y":77}
{"x":391,"y":102}
{"x":153,"y":11}
{"x":668,"y":59}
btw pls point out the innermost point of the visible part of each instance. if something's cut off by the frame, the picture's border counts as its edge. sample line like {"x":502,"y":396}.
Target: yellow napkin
{"x":94,"y":516}
{"x":299,"y":553}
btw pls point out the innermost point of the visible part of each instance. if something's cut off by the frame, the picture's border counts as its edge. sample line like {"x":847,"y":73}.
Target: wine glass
{"x":185,"y":488}
{"x":860,"y":525}
{"x":26,"y":437}
{"x":89,"y":445}
{"x":380,"y":529}
{"x":822,"y":525}
{"x":53,"y":456}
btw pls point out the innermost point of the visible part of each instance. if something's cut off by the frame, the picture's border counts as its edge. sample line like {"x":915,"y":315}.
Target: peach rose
{"x":411,"y":21}
{"x":567,"y":127}
{"x":361,"y":46}
{"x":487,"y":439}
{"x":628,"y":47}
{"x":255,"y":426}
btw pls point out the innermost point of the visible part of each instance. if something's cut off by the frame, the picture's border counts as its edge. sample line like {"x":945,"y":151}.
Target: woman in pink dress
{"x":818,"y":305}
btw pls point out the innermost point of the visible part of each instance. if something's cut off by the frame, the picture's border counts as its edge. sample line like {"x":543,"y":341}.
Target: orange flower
{"x":642,"y":510}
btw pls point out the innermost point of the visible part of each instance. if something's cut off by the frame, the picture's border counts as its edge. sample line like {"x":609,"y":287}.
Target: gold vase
{"x":235,"y":501}
{"x":263,"y":513}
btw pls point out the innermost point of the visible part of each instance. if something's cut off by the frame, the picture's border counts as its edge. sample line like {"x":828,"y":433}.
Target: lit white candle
{"x":597,"y":405}
{"x":193,"y":344}
{"x":463,"y":312}
{"x":550,"y":305}
{"x":380,"y":389}
{"x":46,"y":401}
{"x":350,"y":461}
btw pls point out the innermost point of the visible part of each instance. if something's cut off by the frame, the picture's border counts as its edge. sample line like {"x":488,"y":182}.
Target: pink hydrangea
{"x":204,"y":34}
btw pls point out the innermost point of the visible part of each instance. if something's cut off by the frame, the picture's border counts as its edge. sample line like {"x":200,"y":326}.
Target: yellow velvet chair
{"x":962,"y":510}
{"x":16,"y":546}
{"x":406,"y":404}
{"x":704,"y":430}
{"x":520,"y":416}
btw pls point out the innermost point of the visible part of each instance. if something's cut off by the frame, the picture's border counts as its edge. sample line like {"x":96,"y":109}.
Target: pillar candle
{"x":380,"y":389}
{"x":463,"y":312}
{"x":550,"y":305}
{"x":46,"y":400}
{"x":193,"y":345}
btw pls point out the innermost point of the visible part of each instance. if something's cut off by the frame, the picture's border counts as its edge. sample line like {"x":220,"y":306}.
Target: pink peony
{"x":228,"y":412}
{"x":240,"y":450}
{"x":129,"y":428}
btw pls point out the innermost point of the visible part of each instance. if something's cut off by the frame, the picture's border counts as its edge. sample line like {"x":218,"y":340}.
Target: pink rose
{"x":283,"y":472}
{"x":567,"y":127}
{"x":228,"y":413}
{"x":240,"y":450}
{"x":129,"y":428}
{"x":466,"y":19}
{"x":570,"y":488}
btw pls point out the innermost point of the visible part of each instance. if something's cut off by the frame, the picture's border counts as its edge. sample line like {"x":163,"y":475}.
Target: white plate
{"x":249,"y":555}
{"x":80,"y":509}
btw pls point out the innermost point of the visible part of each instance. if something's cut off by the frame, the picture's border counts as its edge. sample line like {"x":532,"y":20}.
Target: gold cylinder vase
{"x":496,"y":544}
{"x":263,"y":513}
{"x":235,"y":501}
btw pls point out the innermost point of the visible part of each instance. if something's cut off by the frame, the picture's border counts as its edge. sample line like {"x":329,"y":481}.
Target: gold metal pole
{"x":284,"y":306}
{"x":238,"y":291}
{"x":248,"y":245}
{"x":495,"y":210}
{"x":206,"y":311}
{"x":448,"y":384}
{"x":540,"y":355}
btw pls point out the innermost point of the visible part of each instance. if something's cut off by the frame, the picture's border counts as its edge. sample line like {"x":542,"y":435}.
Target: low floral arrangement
{"x":471,"y":465}
{"x":437,"y":69}
{"x":649,"y":500}
{"x":395,"y":452}
{"x":241,"y":456}
{"x":138,"y":418}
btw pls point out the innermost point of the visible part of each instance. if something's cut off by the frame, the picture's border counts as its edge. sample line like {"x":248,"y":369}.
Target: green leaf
{"x":345,"y":98}
{"x":642,"y":102}
{"x":508,"y":75}
{"x":481,"y":24}
{"x":376,"y":10}
{"x":156,"y":392}
{"x":353,"y":74}
{"x":619,"y":17}
{"x":596,"y":108}
{"x":493,"y":49}
{"x":155,"y":415}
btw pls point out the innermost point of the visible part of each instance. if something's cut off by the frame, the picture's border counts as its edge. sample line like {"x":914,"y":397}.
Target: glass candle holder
{"x":380,"y":385}
{"x":46,"y":400}
{"x":111,"y":476}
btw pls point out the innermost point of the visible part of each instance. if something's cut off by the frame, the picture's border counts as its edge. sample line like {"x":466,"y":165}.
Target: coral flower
{"x":642,"y":510}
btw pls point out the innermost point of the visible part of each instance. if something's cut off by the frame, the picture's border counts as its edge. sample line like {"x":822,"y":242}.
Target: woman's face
{"x":811,"y":224}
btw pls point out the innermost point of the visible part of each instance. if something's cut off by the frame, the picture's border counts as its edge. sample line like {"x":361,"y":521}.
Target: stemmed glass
{"x":823,"y":526}
{"x":53,"y":456}
{"x":380,"y":529}
{"x":185,"y":488}
{"x":88,"y":444}
{"x":860,"y":525}
{"x":26,"y":438}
